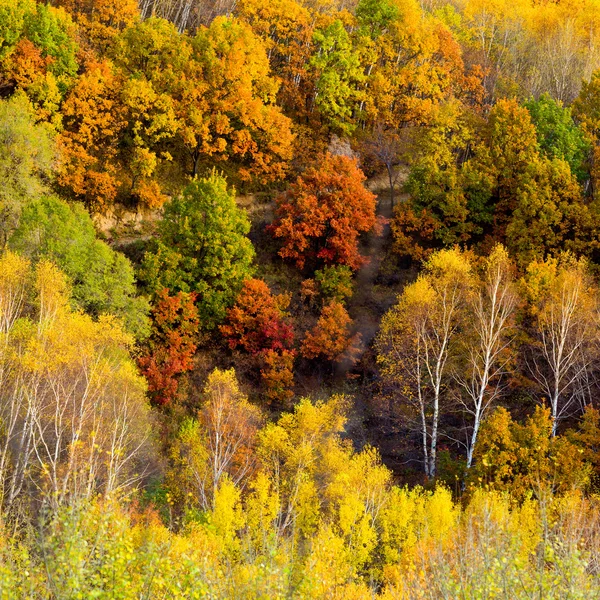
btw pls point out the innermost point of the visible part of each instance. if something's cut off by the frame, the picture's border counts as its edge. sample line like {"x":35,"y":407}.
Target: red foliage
{"x":172,"y":344}
{"x":258,"y":321}
{"x":321,"y":215}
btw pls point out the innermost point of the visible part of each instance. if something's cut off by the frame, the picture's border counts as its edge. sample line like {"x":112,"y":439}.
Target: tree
{"x":487,"y":340}
{"x":383,"y":146}
{"x":101,"y":20}
{"x":286,"y":28}
{"x":417,"y":343}
{"x":550,"y":214}
{"x":331,"y":337}
{"x":586,"y":109}
{"x":321,"y":215}
{"x":563,"y":304}
{"x":258,"y":321}
{"x":509,"y":148}
{"x":94,"y":120}
{"x":278,"y":375}
{"x":527,"y":458}
{"x":39,"y":48}
{"x":335,"y":282}
{"x":339,"y":76}
{"x":75,"y":421}
{"x":219,"y":444}
{"x":171,"y":346}
{"x":202,"y":247}
{"x":102,"y":280}
{"x":25,"y":162}
{"x":242,"y":125}
{"x":558,"y":135}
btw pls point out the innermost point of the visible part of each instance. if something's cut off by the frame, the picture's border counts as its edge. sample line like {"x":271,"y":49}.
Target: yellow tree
{"x":242,"y":124}
{"x":487,"y":337}
{"x":417,"y":343}
{"x":73,"y":408}
{"x":218,"y":445}
{"x":563,"y":304}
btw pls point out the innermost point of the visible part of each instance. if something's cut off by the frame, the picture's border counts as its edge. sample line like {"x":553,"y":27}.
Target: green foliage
{"x":26,"y":160}
{"x":52,"y":31}
{"x":12,"y":21}
{"x":558,"y":135}
{"x":339,"y":76}
{"x":102,"y":279}
{"x":335,"y":282}
{"x":202,"y":247}
{"x":375,"y":16}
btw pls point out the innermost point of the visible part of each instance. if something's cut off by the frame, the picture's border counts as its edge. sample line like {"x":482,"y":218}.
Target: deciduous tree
{"x":322,"y":214}
{"x":171,"y":346}
{"x":331,"y":337}
{"x":563,"y":304}
{"x":203,"y":248}
{"x":417,"y":343}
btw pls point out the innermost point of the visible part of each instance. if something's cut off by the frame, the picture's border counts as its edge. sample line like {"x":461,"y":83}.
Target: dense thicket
{"x":299,"y":298}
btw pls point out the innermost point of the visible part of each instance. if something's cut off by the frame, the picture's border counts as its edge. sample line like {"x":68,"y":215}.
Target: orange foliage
{"x":101,"y":20}
{"x":322,"y":214}
{"x":330,"y":337}
{"x":278,"y":375}
{"x":172,"y":344}
{"x":94,"y":119}
{"x":259,"y":323}
{"x":258,"y":320}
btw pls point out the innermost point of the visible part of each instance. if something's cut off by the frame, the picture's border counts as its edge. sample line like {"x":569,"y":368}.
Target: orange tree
{"x":172,"y":344}
{"x":321,"y":215}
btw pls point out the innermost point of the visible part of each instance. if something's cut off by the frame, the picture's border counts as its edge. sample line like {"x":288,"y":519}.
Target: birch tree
{"x":74,"y":417}
{"x":219,"y":443}
{"x":417,"y":343}
{"x":487,"y":342}
{"x":563,"y":312}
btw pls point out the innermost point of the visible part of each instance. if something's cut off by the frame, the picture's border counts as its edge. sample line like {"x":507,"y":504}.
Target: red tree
{"x":171,"y":345}
{"x":321,"y":215}
{"x":258,"y":320}
{"x":259,"y":324}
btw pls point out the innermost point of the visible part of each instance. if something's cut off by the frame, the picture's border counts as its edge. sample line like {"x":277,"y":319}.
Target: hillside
{"x":299,"y":299}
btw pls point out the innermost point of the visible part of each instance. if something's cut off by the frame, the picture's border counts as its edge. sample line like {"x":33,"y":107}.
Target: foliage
{"x":258,"y":320}
{"x":335,"y":282}
{"x":25,"y":162}
{"x":526,"y":459}
{"x":321,"y":215}
{"x":558,"y":135}
{"x":102,"y":280}
{"x":73,"y":408}
{"x":331,"y":337}
{"x":172,"y":343}
{"x":202,"y":247}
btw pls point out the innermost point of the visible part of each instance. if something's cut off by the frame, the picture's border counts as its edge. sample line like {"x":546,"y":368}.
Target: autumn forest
{"x":299,"y":299}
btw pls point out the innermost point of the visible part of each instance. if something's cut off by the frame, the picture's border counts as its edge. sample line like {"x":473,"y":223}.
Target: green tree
{"x":25,"y":160}
{"x":202,"y":247}
{"x":102,"y":279}
{"x":53,"y":31}
{"x":375,"y":16}
{"x":558,"y":135}
{"x":340,"y":75}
